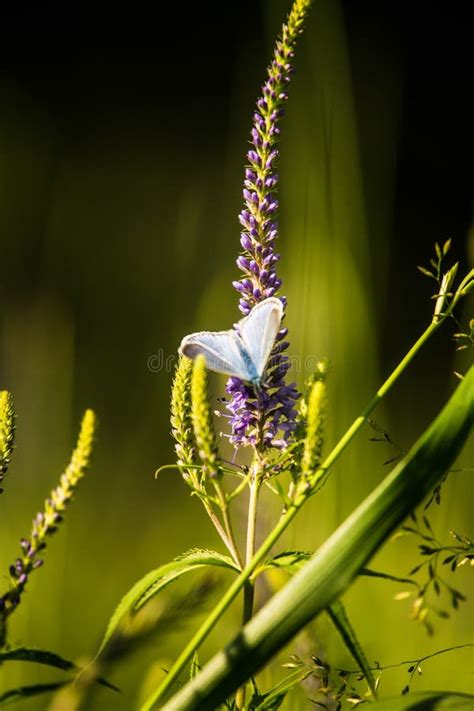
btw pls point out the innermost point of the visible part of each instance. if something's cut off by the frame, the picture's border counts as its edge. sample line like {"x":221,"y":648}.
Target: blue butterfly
{"x":243,"y":352}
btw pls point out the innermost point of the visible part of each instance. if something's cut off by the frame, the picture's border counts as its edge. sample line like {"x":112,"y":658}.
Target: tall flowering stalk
{"x":46,"y":522}
{"x":267,"y":417}
{"x":7,"y":433}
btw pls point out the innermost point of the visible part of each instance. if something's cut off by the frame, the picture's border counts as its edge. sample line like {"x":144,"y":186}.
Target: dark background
{"x":122,"y":140}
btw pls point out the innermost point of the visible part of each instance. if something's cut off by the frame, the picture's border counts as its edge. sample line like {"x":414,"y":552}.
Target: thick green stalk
{"x":317,"y":480}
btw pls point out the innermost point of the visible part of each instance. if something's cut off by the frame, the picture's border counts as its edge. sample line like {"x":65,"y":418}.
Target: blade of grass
{"x":341,"y":622}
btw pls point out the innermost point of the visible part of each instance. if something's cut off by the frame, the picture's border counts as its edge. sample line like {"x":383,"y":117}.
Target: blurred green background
{"x":122,"y":141}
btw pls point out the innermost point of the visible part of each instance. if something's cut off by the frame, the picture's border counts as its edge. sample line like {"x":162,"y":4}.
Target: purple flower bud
{"x":272,"y":206}
{"x":244,"y":218}
{"x":256,"y":137}
{"x":244,"y":307}
{"x":246,"y":242}
{"x":271,"y":158}
{"x":243,"y":263}
{"x":239,"y":286}
{"x":250,"y":196}
{"x":254,"y":157}
{"x":271,"y":181}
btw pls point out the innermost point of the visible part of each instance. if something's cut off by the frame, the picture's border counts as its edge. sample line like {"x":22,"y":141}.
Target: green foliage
{"x":437,"y":560}
{"x":156,"y":580}
{"x":289,"y":560}
{"x":7,"y":432}
{"x":309,"y":444}
{"x":313,"y":443}
{"x":204,"y":433}
{"x":465,"y":339}
{"x":427,"y":701}
{"x":328,"y":574}
{"x":47,"y":521}
{"x":50,"y":659}
{"x":338,"y":615}
{"x":181,"y":421}
{"x":274,"y":698}
{"x":13,"y":696}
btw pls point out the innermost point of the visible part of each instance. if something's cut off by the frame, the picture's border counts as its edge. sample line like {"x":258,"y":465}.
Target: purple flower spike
{"x":265,"y":418}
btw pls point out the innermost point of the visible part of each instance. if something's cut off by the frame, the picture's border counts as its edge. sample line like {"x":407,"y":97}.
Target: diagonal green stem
{"x":317,"y":481}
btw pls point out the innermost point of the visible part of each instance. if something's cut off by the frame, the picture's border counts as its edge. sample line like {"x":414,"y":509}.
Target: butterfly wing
{"x":222,"y":350}
{"x":259,"y":329}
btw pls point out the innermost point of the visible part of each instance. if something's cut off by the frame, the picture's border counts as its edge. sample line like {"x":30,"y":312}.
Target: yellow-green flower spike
{"x":7,"y":432}
{"x":202,"y":418}
{"x":315,"y":415}
{"x":181,"y":419}
{"x":80,"y":461}
{"x":46,"y":522}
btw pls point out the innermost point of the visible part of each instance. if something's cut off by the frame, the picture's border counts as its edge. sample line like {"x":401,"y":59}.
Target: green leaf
{"x":156,"y":580}
{"x":274,"y":698}
{"x":339,"y":618}
{"x":23,"y":654}
{"x":195,"y":666}
{"x":369,"y":573}
{"x":333,"y":568}
{"x":50,"y":659}
{"x":286,"y":559}
{"x":24,"y":692}
{"x":426,"y":701}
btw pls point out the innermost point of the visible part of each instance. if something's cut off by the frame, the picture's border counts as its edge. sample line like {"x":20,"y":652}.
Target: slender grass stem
{"x":318,"y":480}
{"x":231,"y":544}
{"x":238,"y":489}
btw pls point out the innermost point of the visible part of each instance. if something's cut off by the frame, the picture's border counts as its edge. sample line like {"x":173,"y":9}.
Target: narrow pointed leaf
{"x":291,"y":560}
{"x":274,"y":698}
{"x":339,"y":618}
{"x":24,"y":692}
{"x":369,"y":573}
{"x":332,"y":569}
{"x":50,"y":659}
{"x":156,"y":580}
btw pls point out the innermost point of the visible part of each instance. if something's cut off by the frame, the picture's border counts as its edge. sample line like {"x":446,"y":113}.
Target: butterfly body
{"x":242,"y":352}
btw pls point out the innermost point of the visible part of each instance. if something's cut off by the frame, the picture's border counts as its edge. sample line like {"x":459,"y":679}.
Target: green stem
{"x":318,"y":479}
{"x":228,"y":542}
{"x":231,"y":544}
{"x":249,"y":586}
